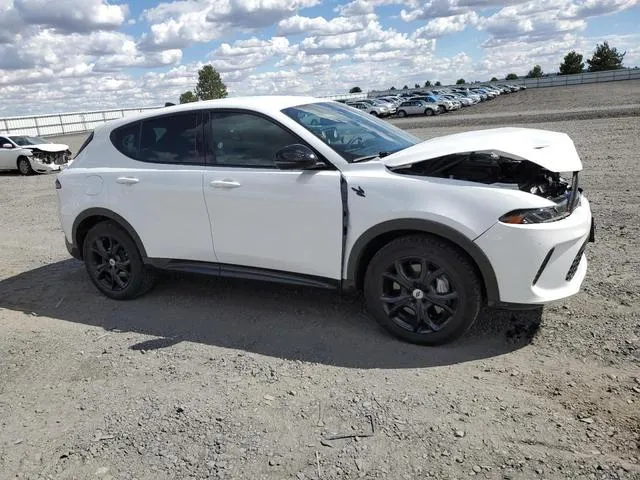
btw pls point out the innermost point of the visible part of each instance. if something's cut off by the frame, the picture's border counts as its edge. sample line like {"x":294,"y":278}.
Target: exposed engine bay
{"x":491,"y":168}
{"x":56,"y":158}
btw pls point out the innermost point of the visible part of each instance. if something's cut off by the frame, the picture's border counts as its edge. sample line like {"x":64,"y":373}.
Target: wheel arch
{"x":91,"y":217}
{"x":376,"y":237}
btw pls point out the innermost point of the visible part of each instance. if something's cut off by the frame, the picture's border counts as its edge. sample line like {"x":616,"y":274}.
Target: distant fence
{"x":63,"y":123}
{"x":547,"y":81}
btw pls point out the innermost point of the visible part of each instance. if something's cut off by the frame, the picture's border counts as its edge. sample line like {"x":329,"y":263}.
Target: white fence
{"x":63,"y":123}
{"x":547,"y":81}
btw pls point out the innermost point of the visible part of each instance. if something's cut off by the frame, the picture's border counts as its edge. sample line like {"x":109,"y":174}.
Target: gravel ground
{"x":229,"y":379}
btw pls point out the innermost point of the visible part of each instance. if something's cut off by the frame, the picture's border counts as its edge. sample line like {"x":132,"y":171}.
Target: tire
{"x":442,"y":109}
{"x":114,"y":263}
{"x":374,"y":114}
{"x":24,"y":166}
{"x":450,"y":279}
{"x":428,"y":112}
{"x":402,"y":113}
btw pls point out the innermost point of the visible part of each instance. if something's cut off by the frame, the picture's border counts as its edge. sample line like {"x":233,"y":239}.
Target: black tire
{"x":24,"y":166}
{"x":114,"y":263}
{"x":449,"y":279}
{"x":375,"y":114}
{"x":402,"y":113}
{"x":442,"y":109}
{"x":428,"y":112}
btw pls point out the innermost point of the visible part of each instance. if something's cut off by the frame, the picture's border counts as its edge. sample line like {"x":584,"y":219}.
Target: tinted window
{"x":245,"y":140}
{"x":170,"y":139}
{"x":3,"y":141}
{"x":126,"y":139}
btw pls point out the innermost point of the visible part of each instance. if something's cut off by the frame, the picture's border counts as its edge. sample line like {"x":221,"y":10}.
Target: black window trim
{"x":199,"y":144}
{"x":211,"y":162}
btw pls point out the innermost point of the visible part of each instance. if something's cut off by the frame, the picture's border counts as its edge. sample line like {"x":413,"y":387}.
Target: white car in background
{"x":31,"y":155}
{"x":377,"y":110}
{"x":311,"y":192}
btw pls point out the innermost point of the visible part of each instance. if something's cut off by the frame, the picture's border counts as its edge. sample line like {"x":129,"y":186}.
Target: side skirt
{"x":243,"y":272}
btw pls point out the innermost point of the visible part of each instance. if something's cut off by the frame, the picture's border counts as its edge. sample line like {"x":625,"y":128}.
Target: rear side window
{"x":173,"y":139}
{"x":84,"y":144}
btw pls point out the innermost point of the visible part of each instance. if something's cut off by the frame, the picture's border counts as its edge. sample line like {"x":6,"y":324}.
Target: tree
{"x":188,"y":97}
{"x":572,"y":63}
{"x":416,"y":85}
{"x":355,"y":90}
{"x":511,"y":76}
{"x":405,"y":88}
{"x":438,"y":84}
{"x":210,"y":85}
{"x":605,"y":58}
{"x":460,"y":81}
{"x":535,"y":72}
{"x":493,"y":79}
{"x":392,"y":88}
{"x":427,"y":83}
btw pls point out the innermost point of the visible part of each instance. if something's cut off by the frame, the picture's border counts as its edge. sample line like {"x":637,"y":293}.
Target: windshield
{"x":351,"y":133}
{"x":23,"y":141}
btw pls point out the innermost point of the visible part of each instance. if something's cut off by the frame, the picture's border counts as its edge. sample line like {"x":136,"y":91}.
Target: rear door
{"x":158,"y":188}
{"x":7,"y":156}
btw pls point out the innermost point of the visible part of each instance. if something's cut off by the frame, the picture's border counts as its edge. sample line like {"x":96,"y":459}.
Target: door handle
{"x":127,"y":180}
{"x":224,"y":184}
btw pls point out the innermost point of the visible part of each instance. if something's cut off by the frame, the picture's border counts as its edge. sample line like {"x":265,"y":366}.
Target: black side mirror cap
{"x":297,"y":157}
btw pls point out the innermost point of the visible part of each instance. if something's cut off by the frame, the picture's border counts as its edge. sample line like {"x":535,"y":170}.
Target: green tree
{"x":405,"y":87}
{"x":460,"y":81}
{"x":605,"y":58}
{"x":427,"y":83}
{"x":392,"y":88}
{"x":210,"y":85}
{"x":188,"y":97}
{"x":511,"y":76}
{"x":416,"y":85}
{"x":438,"y":84}
{"x":535,"y":72}
{"x":493,"y":79}
{"x":355,"y":90}
{"x":572,"y":63}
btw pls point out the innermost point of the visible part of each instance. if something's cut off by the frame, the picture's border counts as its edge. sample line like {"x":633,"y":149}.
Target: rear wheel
{"x":423,"y":290}
{"x":375,"y":114}
{"x":114,"y":264}
{"x":428,"y":112}
{"x":402,"y":113}
{"x":24,"y":166}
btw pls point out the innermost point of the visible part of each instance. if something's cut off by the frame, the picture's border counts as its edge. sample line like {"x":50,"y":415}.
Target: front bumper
{"x":42,"y":167}
{"x":539,"y":263}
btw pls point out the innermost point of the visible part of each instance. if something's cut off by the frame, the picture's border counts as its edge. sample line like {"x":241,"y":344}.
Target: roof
{"x":268,"y":104}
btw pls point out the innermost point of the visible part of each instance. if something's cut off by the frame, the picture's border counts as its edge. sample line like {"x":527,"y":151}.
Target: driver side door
{"x":264,"y":218}
{"x":7,"y":156}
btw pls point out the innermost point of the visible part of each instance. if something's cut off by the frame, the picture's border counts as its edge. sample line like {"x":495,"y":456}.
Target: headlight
{"x":539,"y":215}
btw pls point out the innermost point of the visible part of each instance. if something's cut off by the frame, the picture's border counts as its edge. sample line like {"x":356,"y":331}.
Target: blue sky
{"x":95,"y":54}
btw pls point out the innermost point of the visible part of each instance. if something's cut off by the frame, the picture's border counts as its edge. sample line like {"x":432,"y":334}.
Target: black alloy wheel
{"x":109,"y":260}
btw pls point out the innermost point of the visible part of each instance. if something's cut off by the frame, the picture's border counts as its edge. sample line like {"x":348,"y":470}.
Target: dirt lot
{"x":229,"y":379}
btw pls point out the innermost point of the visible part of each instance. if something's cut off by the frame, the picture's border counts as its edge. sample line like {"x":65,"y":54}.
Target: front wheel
{"x":423,"y":290}
{"x":402,"y":114}
{"x":375,"y":114}
{"x":24,"y":166}
{"x":428,"y":112}
{"x":114,"y":264}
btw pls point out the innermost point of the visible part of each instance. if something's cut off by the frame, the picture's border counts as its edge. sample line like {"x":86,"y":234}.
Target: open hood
{"x":48,"y":147}
{"x":553,"y":151}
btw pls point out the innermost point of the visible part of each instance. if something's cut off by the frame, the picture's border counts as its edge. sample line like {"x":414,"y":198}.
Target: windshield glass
{"x":351,"y":133}
{"x":24,"y":140}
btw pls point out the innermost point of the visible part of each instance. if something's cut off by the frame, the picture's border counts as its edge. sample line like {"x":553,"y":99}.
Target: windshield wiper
{"x":370,"y":157}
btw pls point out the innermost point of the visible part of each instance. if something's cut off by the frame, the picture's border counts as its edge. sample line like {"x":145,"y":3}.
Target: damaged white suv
{"x":313,"y":192}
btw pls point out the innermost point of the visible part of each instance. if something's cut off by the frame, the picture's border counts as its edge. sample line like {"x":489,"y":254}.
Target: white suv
{"x":313,"y":192}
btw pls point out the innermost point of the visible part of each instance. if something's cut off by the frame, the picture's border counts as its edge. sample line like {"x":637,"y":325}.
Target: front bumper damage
{"x":46,"y":162}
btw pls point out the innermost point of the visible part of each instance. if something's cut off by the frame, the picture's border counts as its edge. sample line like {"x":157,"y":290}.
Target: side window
{"x":246,"y":140}
{"x":170,"y":139}
{"x":126,"y":139}
{"x":3,"y":141}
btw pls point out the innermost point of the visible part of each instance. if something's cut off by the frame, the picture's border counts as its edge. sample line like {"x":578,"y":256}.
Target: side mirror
{"x":7,"y":145}
{"x":296,"y":157}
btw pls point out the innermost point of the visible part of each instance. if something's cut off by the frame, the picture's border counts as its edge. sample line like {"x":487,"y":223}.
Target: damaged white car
{"x":31,"y":155}
{"x":250,"y":188}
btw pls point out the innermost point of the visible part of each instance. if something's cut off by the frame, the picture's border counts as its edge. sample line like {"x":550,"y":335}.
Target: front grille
{"x":57,"y":158}
{"x":576,"y":262}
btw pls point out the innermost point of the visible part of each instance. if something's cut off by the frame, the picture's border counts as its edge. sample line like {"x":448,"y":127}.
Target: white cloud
{"x":321,"y":26}
{"x":72,"y":15}
{"x":248,"y":54}
{"x":441,"y":26}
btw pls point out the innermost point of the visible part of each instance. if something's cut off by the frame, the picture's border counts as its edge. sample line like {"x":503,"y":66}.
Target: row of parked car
{"x":430,"y":102}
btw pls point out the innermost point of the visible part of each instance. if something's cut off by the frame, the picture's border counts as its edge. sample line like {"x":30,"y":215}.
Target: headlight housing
{"x":564,"y":206}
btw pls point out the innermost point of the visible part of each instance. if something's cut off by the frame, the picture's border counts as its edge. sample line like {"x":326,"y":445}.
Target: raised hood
{"x":48,"y":147}
{"x":554,"y":151}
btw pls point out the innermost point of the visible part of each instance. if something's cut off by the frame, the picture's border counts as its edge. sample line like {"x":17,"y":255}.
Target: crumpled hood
{"x":48,"y":147}
{"x":554,"y":151}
